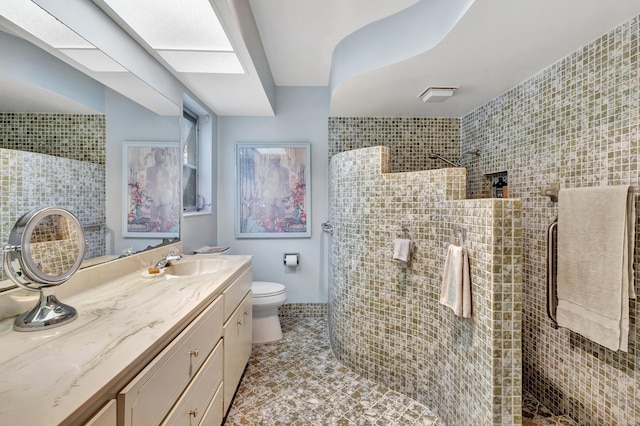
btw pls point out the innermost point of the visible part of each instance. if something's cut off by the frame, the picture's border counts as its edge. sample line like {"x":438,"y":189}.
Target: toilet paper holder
{"x":289,"y":256}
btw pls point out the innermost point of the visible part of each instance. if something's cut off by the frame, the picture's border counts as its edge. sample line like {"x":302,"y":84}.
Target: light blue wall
{"x":301,"y":116}
{"x":28,"y":64}
{"x":128,"y":121}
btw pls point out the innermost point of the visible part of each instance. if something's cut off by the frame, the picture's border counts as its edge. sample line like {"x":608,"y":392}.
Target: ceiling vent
{"x":437,"y":93}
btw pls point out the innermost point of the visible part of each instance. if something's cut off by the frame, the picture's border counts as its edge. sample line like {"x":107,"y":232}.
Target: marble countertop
{"x":61,"y":375}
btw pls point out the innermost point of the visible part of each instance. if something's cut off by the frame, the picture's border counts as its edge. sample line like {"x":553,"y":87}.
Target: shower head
{"x":436,"y":156}
{"x":473,"y":152}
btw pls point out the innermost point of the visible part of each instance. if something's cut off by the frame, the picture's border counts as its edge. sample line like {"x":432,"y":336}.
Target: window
{"x":198,"y":160}
{"x":190,"y":172}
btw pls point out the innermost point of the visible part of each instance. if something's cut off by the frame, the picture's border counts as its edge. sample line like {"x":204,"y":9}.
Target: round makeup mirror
{"x":46,"y":247}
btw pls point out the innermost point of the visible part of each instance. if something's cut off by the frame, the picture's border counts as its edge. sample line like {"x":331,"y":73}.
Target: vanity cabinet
{"x":144,"y":351}
{"x":201,"y":402}
{"x":107,"y":416}
{"x":237,"y":347}
{"x":148,"y":398}
{"x":237,"y":334}
{"x":193,"y":380}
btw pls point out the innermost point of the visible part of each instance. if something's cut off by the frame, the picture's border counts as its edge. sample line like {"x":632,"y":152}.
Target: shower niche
{"x":496,"y":185}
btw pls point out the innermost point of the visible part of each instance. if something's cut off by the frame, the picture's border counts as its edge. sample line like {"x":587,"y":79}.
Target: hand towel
{"x":401,"y":249}
{"x":456,"y":282}
{"x":595,"y":263}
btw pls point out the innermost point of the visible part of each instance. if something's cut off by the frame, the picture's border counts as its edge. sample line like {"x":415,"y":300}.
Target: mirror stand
{"x":49,"y":312}
{"x":46,"y":247}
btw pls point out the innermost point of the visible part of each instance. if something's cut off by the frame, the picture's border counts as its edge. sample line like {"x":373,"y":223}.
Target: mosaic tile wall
{"x":410,"y":140}
{"x":303,"y":310}
{"x":385,"y":321}
{"x":575,"y":123}
{"x":77,"y":136}
{"x":31,"y":180}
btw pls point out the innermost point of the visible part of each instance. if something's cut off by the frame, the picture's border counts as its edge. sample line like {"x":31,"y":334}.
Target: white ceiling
{"x":299,"y":35}
{"x":493,"y":47}
{"x":496,"y":45}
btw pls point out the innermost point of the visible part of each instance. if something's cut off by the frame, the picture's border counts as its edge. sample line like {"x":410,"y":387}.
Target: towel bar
{"x":327,"y":227}
{"x":553,"y":190}
{"x":552,"y":287}
{"x":94,"y":225}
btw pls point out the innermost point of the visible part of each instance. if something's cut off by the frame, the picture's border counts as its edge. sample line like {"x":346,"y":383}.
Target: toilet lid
{"x":265,"y":288}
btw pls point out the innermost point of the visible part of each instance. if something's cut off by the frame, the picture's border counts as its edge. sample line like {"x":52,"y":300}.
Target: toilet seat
{"x":266,"y":289}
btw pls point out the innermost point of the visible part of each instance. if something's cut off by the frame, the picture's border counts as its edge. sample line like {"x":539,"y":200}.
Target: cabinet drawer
{"x":235,"y":292}
{"x":215,"y":412}
{"x":194,"y":403}
{"x":149,"y":397}
{"x":107,"y":416}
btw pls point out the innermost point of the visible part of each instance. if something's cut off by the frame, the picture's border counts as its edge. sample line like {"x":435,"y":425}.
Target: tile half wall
{"x":385,"y":320}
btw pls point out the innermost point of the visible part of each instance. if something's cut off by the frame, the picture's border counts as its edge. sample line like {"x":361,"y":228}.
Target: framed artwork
{"x":152,"y":200}
{"x":273,"y":194}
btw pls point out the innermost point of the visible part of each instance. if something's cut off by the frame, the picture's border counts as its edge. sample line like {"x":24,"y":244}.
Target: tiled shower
{"x":575,"y":123}
{"x":385,"y":321}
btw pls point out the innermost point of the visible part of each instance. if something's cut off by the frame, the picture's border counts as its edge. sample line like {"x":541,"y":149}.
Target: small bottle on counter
{"x":501,"y":188}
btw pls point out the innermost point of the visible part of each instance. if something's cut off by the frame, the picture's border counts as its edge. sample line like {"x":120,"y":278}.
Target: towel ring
{"x":461,"y":233}
{"x":405,"y":232}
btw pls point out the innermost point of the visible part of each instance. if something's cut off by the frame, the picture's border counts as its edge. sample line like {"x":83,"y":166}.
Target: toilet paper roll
{"x":291,"y":260}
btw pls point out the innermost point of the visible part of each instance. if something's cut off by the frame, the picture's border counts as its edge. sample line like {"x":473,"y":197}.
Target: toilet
{"x":267,"y":297}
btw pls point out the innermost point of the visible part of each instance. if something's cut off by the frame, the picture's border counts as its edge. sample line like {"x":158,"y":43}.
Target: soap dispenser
{"x":500,"y":188}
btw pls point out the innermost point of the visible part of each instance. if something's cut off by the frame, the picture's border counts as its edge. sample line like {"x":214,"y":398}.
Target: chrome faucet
{"x":171,"y":256}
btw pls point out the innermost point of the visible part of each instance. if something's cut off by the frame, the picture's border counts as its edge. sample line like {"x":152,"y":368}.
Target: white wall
{"x":301,"y":116}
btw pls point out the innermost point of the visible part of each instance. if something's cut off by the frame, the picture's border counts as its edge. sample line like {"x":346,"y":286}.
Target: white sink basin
{"x":197,"y":267}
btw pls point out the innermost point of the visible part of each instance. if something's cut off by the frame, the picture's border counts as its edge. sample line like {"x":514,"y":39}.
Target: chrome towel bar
{"x":327,"y":227}
{"x":553,"y":190}
{"x":552,"y":254}
{"x":94,"y":225}
{"x":552,"y":264}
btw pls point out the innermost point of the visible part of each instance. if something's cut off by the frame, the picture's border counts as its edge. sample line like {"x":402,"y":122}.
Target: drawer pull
{"x":194,"y":412}
{"x":239,"y":322}
{"x":194,"y":353}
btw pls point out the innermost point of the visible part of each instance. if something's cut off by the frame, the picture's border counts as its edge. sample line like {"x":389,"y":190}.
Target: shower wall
{"x":385,"y":321}
{"x":575,"y":123}
{"x":409,"y":139}
{"x":53,"y":160}
{"x":79,"y":137}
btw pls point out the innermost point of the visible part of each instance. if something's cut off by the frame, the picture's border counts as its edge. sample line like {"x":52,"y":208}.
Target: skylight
{"x":32,"y":18}
{"x":196,"y":42}
{"x":37,"y":22}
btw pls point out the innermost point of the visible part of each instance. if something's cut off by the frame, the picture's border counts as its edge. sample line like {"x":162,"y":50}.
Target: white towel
{"x":401,"y":249}
{"x":595,"y":263}
{"x":456,"y":282}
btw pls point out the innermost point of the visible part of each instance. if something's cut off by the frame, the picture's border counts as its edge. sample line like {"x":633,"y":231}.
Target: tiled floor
{"x":536,"y":414}
{"x":298,"y":381}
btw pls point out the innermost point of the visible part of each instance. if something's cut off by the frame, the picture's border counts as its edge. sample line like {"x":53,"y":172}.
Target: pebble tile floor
{"x":298,"y":381}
